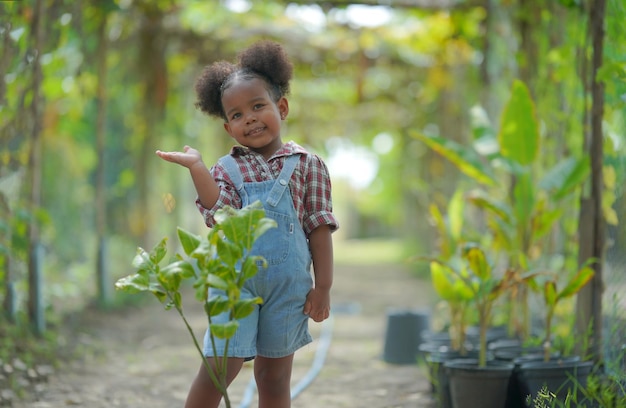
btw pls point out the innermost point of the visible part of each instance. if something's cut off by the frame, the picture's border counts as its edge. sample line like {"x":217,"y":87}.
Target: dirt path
{"x":144,"y":358}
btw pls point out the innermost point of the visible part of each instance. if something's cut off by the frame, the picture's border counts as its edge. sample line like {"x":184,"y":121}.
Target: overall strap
{"x":232,"y":168}
{"x":282,"y":182}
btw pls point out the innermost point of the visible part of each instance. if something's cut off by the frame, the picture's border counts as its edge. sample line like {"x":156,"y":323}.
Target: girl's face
{"x":252,"y":117}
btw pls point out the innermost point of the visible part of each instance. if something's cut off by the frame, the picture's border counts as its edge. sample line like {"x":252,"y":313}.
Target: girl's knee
{"x":273,"y":375}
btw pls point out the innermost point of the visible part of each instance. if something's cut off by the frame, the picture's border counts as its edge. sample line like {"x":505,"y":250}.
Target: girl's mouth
{"x":256,"y":131}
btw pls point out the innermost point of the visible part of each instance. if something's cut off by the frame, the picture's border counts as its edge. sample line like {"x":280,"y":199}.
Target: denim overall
{"x":278,"y":327}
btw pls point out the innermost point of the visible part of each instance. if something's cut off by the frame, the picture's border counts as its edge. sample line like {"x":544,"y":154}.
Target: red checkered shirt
{"x":310,"y":184}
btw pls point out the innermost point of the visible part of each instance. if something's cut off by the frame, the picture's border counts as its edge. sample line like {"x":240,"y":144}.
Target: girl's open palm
{"x":187,"y":158}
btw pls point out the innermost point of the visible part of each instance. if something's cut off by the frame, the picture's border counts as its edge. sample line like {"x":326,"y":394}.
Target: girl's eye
{"x":235,"y":116}
{"x":258,"y":106}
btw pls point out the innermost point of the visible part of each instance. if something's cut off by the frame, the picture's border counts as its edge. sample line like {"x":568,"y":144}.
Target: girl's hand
{"x":317,"y":305}
{"x":187,"y":158}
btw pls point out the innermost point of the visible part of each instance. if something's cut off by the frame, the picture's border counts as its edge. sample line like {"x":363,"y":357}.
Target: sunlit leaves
{"x":221,"y":261}
{"x":466,"y":160}
{"x":224,"y":330}
{"x":188,"y":240}
{"x":519,"y":131}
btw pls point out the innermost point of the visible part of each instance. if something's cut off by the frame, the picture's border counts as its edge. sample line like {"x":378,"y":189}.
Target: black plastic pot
{"x":472,"y":386}
{"x":561,"y":377}
{"x":438,"y":376}
{"x":404,"y":336}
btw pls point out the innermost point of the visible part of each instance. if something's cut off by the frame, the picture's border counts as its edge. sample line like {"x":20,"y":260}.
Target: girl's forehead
{"x":240,"y":87}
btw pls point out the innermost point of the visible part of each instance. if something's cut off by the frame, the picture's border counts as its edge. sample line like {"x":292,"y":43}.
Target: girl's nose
{"x":250,"y":117}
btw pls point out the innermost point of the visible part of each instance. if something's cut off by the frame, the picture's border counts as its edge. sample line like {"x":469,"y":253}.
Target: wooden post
{"x":592,"y":224}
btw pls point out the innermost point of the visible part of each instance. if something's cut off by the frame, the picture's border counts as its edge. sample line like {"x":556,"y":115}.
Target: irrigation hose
{"x":318,"y":362}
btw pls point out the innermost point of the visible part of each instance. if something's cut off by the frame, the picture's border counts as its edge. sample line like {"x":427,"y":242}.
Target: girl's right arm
{"x":206,"y":187}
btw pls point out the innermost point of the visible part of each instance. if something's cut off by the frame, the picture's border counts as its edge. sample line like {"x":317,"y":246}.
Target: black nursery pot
{"x":472,"y":386}
{"x":561,"y":377}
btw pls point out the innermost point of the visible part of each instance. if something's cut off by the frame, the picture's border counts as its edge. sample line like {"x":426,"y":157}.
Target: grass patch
{"x":369,"y":251}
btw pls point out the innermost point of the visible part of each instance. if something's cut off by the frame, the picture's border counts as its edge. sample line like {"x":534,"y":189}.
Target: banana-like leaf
{"x":519,"y":129}
{"x":549,"y":293}
{"x":478,"y":262}
{"x":465,"y":159}
{"x":565,"y":177}
{"x":524,"y":200}
{"x":577,"y":282}
{"x":494,"y":206}
{"x":455,"y":215}
{"x":446,"y":245}
{"x":448,"y":285}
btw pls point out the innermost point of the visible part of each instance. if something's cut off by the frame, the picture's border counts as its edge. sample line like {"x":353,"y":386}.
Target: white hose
{"x":318,"y":362}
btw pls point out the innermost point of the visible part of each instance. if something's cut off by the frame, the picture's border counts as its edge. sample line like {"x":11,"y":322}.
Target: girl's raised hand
{"x":187,"y":158}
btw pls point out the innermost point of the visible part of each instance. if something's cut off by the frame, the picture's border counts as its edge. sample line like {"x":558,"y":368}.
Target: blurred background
{"x":90,"y":89}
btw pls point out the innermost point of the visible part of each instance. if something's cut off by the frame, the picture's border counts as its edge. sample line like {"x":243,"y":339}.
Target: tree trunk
{"x":103,"y":286}
{"x":153,"y":66}
{"x":592,"y":225}
{"x":35,"y":307}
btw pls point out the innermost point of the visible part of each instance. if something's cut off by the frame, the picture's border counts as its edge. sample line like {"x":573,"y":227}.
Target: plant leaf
{"x":243,"y":308}
{"x":519,"y":130}
{"x":224,"y":330}
{"x":217,"y":305}
{"x":158,"y":252}
{"x":465,"y":159}
{"x":577,"y":282}
{"x":478,"y":262}
{"x":565,"y":176}
{"x":215,"y":281}
{"x":190,"y":242}
{"x":142,"y":261}
{"x":133,"y":283}
{"x":549,"y":293}
{"x":250,"y":266}
{"x":496,"y":207}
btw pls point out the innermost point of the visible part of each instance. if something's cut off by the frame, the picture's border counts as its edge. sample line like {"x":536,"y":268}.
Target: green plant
{"x":522,"y":201}
{"x":222,"y":260}
{"x":450,"y":287}
{"x":476,"y":277}
{"x":552,"y":296}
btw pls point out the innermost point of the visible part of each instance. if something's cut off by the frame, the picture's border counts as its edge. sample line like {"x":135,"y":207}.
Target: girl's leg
{"x":273,"y":380}
{"x":203,"y":393}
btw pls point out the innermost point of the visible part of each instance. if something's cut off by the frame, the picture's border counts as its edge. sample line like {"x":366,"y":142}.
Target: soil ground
{"x":144,"y":357}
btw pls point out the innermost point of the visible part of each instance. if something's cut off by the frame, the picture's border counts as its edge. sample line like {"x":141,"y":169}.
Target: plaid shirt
{"x":310,"y":184}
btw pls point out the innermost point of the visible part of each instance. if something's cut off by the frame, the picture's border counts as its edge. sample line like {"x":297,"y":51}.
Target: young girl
{"x":294,"y":187}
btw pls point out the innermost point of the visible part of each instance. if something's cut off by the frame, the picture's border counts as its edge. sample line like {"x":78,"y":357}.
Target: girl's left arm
{"x":317,"y":305}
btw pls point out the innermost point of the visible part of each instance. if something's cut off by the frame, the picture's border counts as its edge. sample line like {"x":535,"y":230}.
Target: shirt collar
{"x":288,"y":149}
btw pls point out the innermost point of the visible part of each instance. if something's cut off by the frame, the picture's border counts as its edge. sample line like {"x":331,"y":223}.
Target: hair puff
{"x":264,"y":59}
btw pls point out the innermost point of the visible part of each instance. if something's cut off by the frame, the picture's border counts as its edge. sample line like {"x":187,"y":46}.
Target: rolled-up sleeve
{"x":228,"y":196}
{"x":318,"y":203}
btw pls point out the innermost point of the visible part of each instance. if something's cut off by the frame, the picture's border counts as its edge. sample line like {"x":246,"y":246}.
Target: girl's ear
{"x":227,"y":128}
{"x":283,"y":107}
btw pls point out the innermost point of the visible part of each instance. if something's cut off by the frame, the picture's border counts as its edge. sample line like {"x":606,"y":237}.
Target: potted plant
{"x":560,"y":376}
{"x":521,"y":200}
{"x":221,"y":260}
{"x":450,"y":288}
{"x":455,"y":294}
{"x":479,"y":382}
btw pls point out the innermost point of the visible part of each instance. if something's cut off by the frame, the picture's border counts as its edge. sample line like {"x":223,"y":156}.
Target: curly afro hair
{"x":266,"y":60}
